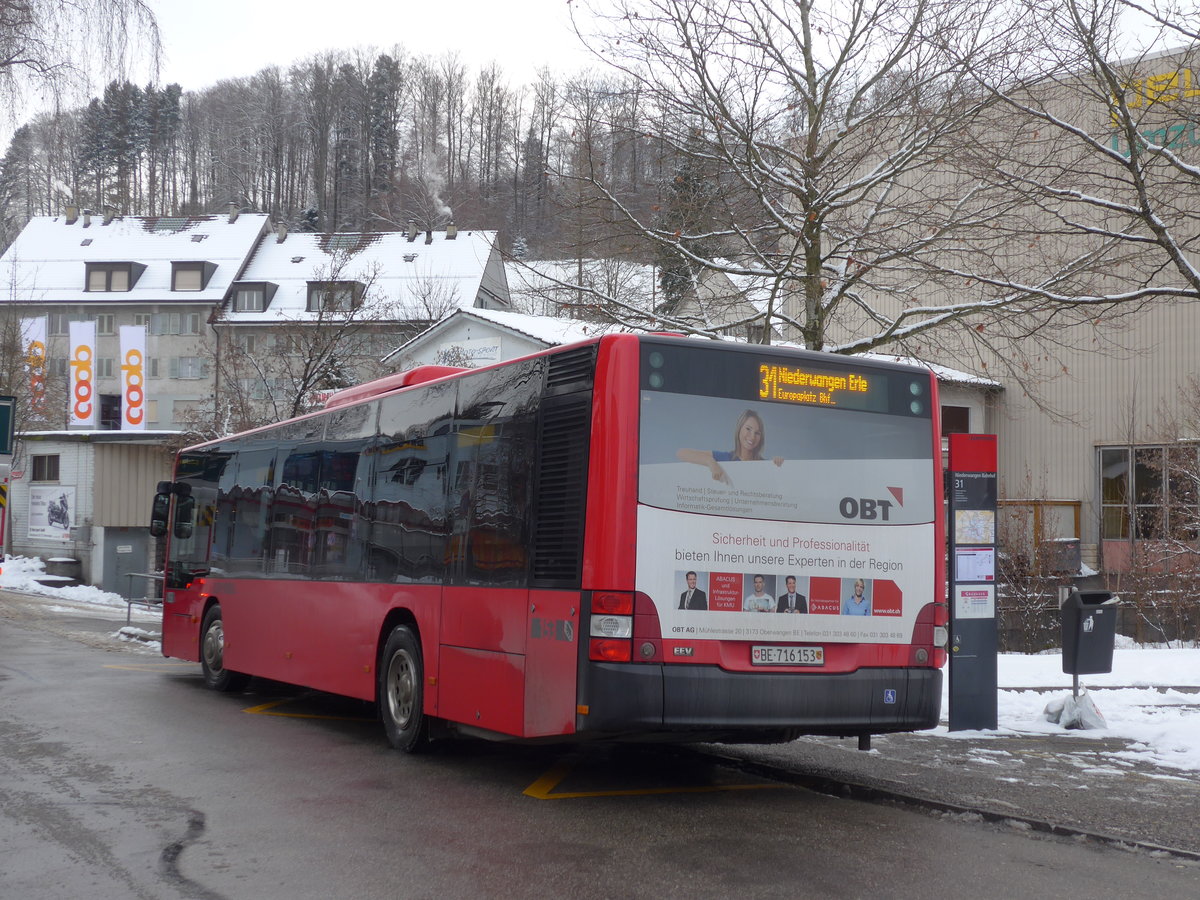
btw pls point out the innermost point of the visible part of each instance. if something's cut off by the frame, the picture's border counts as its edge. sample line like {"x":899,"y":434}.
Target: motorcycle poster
{"x":51,"y":512}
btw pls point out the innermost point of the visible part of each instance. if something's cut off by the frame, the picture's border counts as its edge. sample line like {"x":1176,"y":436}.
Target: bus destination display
{"x":793,"y":384}
{"x":813,"y":387}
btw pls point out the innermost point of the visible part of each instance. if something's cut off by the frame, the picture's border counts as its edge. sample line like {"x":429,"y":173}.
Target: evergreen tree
{"x":17,"y":177}
{"x":93,"y":160}
{"x":383,"y":110}
{"x":686,"y":212}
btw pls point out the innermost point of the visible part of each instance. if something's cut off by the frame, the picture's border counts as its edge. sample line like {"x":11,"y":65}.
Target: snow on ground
{"x":1140,"y":699}
{"x":19,"y":573}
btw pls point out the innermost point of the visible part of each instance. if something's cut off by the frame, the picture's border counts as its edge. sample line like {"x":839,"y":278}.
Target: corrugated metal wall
{"x":126,"y":476}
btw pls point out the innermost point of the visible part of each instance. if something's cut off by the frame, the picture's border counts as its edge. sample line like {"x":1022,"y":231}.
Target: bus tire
{"x":401,"y":691}
{"x":212,"y":655}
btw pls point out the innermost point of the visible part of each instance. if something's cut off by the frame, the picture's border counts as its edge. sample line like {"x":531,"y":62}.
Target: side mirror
{"x":159,"y":513}
{"x":185,"y":509}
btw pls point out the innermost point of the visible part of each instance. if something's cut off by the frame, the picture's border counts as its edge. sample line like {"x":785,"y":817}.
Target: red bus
{"x":634,"y":537}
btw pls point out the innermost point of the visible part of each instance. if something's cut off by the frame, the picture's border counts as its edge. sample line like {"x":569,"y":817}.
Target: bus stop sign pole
{"x":8,"y":417}
{"x":971,"y":490}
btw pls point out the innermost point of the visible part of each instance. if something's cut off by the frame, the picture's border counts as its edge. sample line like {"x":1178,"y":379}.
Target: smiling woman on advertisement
{"x":749,"y":437}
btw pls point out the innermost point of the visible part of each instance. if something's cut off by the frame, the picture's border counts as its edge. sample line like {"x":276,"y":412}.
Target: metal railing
{"x":148,"y":602}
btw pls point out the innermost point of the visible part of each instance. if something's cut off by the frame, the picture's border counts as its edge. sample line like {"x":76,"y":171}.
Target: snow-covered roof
{"x":421,"y":278}
{"x":944,"y":374}
{"x":549,"y":330}
{"x":101,"y":436}
{"x":47,"y":262}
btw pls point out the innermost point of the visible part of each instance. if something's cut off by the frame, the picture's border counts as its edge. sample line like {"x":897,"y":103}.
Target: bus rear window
{"x":845,"y":442}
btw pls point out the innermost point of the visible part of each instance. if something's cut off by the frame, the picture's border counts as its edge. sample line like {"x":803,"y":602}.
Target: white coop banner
{"x":133,"y":378}
{"x":82,"y":399}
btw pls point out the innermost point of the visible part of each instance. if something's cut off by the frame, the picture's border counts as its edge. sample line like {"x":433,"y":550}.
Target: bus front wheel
{"x":212,"y":655}
{"x":401,"y":691}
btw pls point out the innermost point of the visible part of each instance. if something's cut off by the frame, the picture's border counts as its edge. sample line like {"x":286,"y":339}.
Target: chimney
{"x":233,"y":213}
{"x":280,"y":232}
{"x":87,"y":218}
{"x":429,"y":236}
{"x":72,"y":214}
{"x":451,"y":231}
{"x":109,"y":213}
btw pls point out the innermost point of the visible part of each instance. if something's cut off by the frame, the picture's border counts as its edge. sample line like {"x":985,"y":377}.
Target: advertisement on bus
{"x":823,"y":515}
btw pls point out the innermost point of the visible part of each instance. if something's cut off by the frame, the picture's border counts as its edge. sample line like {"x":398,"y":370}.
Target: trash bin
{"x":1089,"y":631}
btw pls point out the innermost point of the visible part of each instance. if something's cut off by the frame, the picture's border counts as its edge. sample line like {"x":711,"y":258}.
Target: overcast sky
{"x":207,"y":41}
{"x":204,"y":42}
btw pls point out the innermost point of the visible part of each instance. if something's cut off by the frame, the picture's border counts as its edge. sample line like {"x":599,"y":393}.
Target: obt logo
{"x":81,"y":365}
{"x":132,"y":369}
{"x":868,"y":509}
{"x":851,"y":508}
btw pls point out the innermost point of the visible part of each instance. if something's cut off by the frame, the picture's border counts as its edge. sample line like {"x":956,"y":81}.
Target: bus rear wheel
{"x":401,"y":691}
{"x":212,"y":655}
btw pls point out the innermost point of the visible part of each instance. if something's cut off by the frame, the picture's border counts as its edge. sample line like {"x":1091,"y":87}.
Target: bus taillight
{"x":607,"y":650}
{"x":617,"y":603}
{"x":611,"y":626}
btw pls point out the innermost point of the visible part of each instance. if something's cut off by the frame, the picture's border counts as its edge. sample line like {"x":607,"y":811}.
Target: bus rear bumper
{"x":717,"y":704}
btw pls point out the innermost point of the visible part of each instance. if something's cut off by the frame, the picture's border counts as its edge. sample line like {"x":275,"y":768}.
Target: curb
{"x":870,"y":794}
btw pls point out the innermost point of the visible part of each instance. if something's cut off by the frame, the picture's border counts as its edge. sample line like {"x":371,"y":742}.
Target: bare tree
{"x":272,"y":372}
{"x":853,"y":146}
{"x":1113,"y":160}
{"x":49,"y":44}
{"x":1027,"y":583}
{"x":826,"y":128}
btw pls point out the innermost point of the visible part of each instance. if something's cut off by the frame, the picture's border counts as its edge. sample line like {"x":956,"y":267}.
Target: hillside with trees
{"x":347,"y":141}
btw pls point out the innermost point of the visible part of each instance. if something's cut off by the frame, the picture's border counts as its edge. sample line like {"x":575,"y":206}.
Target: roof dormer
{"x":192,"y":275}
{"x":252,"y":296}
{"x":111,"y":276}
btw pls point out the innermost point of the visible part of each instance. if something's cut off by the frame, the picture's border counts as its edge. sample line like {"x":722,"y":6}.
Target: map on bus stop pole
{"x":975,"y":526}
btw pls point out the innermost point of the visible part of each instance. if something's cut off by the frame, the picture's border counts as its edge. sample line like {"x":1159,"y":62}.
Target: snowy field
{"x":1140,"y":700}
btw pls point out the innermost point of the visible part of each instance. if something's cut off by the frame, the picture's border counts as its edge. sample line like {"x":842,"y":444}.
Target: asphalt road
{"x":121,"y":776}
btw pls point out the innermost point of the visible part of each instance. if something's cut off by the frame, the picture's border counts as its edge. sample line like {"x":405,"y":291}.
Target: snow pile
{"x":20,"y":574}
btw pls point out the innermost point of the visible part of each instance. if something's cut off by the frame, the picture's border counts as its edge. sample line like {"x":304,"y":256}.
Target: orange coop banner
{"x":33,"y":349}
{"x":133,"y":378}
{"x":82,"y":402}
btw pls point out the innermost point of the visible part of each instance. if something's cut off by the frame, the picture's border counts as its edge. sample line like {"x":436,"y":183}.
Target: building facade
{"x":244,"y":324}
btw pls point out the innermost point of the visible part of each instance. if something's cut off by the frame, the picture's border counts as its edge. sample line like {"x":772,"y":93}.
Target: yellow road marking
{"x":543,"y":788}
{"x":268,"y":709}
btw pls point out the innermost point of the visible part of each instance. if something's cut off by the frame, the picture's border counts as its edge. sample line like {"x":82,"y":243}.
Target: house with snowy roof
{"x":616,"y":289}
{"x":478,"y":337}
{"x":314,"y":313}
{"x":244,"y":323}
{"x":165,"y":273}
